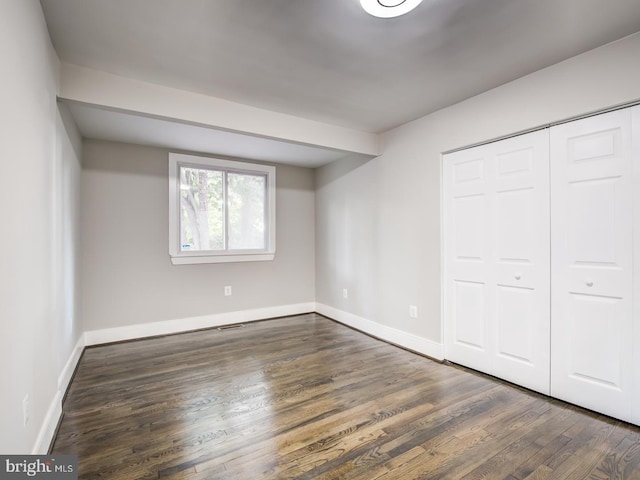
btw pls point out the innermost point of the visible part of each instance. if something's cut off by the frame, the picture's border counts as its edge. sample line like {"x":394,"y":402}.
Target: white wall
{"x":128,"y":278}
{"x":39,"y":318}
{"x":378,"y":222}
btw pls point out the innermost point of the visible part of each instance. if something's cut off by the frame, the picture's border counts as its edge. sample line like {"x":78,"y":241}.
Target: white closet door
{"x":468,"y":185}
{"x":635,"y":122}
{"x":496,"y":248}
{"x":522,"y":260}
{"x":591,"y":232}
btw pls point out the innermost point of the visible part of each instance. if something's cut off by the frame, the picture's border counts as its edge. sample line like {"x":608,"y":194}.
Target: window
{"x":220,"y":210}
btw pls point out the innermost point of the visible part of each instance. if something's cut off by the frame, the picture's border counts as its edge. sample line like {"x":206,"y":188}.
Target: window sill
{"x":193,"y":259}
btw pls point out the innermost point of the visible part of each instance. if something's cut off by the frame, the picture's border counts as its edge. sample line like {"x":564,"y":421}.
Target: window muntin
{"x":220,"y":210}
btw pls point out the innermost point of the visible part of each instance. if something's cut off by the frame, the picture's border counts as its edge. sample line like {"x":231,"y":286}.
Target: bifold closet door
{"x":635,"y":141}
{"x":496,"y":254}
{"x":592,"y":244}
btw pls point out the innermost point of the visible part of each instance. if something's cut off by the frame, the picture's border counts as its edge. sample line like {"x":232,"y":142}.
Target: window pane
{"x":246,"y":205}
{"x":201,"y":209}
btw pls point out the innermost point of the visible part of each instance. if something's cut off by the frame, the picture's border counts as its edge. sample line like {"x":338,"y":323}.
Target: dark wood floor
{"x":306,"y":398}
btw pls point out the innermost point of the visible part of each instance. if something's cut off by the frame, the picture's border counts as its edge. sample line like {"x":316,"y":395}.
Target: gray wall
{"x":39,"y":245}
{"x":128,"y":278}
{"x":378,"y":222}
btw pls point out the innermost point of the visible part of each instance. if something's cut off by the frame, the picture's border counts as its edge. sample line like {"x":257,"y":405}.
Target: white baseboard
{"x":421,"y":345}
{"x":54,"y":412}
{"x":49,"y":425}
{"x":70,"y":366}
{"x":142,"y":330}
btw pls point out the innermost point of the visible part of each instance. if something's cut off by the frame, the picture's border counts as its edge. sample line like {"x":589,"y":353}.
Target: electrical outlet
{"x":345,"y":293}
{"x":25,"y":409}
{"x":413,"y":311}
{"x":227,"y":291}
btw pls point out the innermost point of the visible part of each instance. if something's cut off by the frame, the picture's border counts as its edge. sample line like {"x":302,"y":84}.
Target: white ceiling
{"x":327,"y":60}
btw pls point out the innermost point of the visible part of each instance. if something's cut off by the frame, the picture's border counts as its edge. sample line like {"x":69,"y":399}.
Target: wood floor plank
{"x":541,"y":473}
{"x":304,"y":397}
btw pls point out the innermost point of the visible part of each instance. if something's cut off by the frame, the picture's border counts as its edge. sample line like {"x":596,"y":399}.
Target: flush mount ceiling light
{"x":388,"y":8}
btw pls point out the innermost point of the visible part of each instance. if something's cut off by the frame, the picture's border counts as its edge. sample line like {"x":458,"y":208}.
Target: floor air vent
{"x":231,"y":327}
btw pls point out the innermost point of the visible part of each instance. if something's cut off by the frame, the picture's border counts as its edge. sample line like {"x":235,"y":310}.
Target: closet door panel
{"x":467,"y":250}
{"x":592,"y":263}
{"x":521,"y":260}
{"x":635,"y":133}
{"x":516,"y":325}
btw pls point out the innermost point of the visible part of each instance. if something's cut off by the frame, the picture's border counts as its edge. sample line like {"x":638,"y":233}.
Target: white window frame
{"x":179,"y":257}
